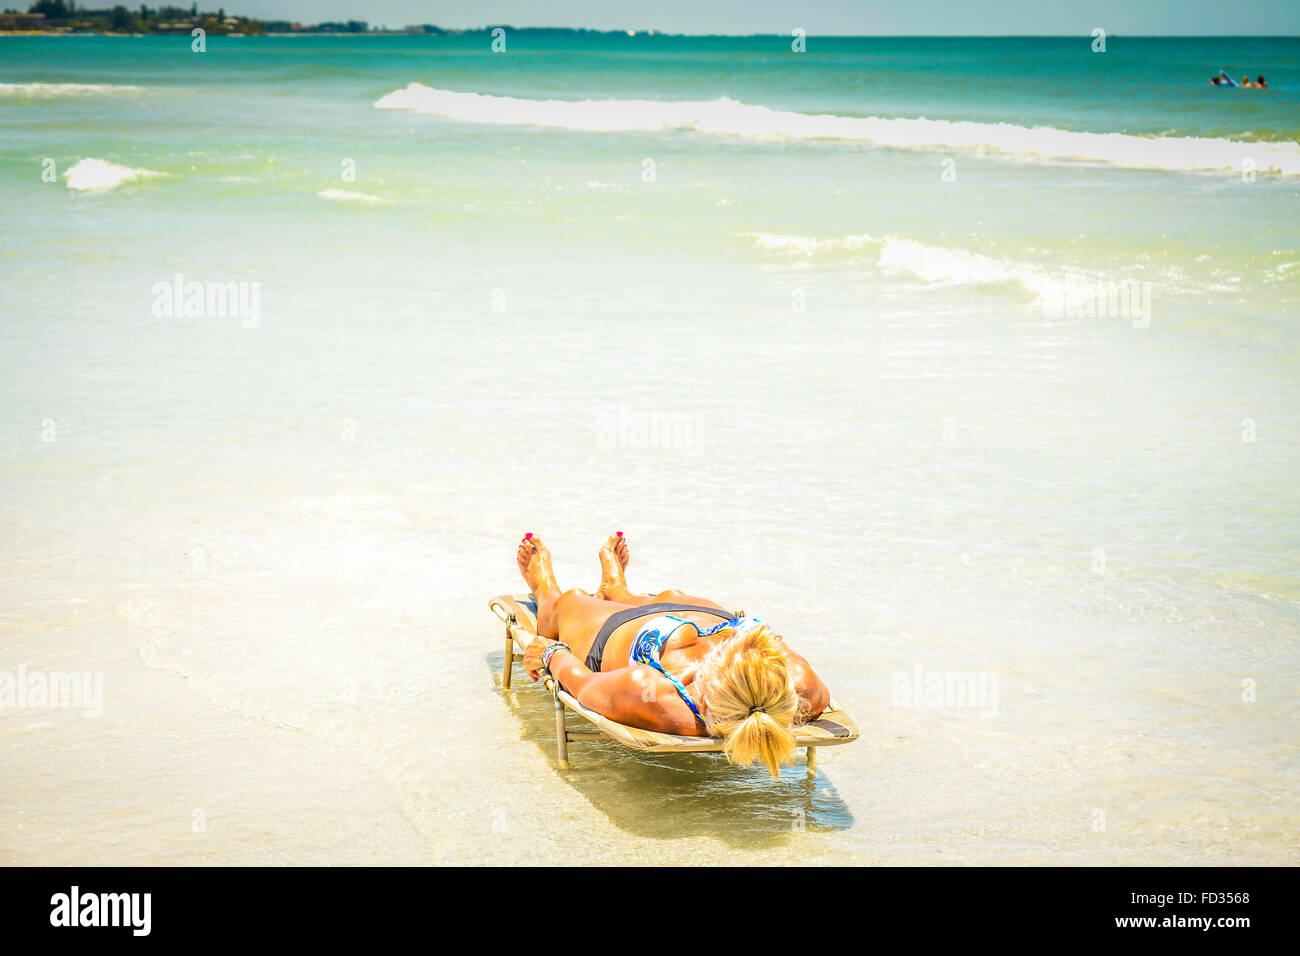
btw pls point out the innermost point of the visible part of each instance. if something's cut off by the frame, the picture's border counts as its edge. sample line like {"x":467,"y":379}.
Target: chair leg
{"x":812,"y":761}
{"x":509,"y":666}
{"x":561,"y":734}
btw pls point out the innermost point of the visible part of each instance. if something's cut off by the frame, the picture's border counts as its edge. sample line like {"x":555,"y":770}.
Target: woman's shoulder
{"x":640,"y":696}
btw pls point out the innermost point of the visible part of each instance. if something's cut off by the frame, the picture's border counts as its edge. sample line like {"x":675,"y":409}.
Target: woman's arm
{"x":638,"y":696}
{"x":572,"y":674}
{"x":808,"y":685}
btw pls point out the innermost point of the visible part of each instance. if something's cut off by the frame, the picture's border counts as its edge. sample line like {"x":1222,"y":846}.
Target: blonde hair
{"x":750,"y":698}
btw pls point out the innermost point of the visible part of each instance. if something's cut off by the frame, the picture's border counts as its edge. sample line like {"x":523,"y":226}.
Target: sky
{"x":817,"y":17}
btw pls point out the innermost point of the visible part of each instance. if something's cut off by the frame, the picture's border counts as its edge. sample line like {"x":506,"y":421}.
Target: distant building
{"x":22,"y":21}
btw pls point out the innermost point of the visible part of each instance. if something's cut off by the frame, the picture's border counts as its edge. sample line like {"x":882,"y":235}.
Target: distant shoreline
{"x":653,"y":33}
{"x":636,"y":34}
{"x":317,"y":30}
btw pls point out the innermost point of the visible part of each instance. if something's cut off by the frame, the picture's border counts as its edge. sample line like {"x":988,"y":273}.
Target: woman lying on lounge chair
{"x":669,"y":662}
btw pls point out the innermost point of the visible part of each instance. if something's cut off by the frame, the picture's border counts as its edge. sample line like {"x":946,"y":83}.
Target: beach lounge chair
{"x":519,"y":614}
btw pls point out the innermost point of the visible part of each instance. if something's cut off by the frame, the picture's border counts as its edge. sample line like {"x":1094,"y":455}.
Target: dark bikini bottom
{"x":596,"y":655}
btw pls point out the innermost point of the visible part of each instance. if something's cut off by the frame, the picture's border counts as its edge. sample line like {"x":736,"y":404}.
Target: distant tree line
{"x":66,"y":14}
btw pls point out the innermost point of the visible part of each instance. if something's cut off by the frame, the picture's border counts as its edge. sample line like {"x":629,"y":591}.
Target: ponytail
{"x":751,"y":699}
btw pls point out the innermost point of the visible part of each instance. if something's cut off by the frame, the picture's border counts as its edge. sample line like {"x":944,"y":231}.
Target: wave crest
{"x":809,"y":245}
{"x":42,"y":90}
{"x":348,"y":195}
{"x":731,"y":118}
{"x":943,"y":265}
{"x":95,"y":175}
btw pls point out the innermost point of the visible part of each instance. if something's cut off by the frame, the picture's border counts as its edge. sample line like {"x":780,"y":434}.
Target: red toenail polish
{"x":619,"y":533}
{"x":528,"y":535}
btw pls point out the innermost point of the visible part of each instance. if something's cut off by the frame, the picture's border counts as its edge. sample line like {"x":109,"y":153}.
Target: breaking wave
{"x":728,"y":117}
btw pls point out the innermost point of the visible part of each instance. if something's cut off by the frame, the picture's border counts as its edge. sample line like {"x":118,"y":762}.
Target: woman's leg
{"x":614,"y":557}
{"x":572,"y":616}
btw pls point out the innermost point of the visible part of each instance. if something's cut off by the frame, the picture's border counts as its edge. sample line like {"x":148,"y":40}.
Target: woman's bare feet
{"x":614,"y":558}
{"x":534,"y":560}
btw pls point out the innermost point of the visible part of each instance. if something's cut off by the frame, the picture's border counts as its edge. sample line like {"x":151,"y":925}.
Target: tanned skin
{"x":637,"y":695}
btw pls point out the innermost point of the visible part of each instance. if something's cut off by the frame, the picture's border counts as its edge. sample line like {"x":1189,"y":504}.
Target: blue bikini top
{"x":648,"y":645}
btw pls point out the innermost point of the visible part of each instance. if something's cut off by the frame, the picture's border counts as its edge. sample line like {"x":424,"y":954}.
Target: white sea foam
{"x":94,"y":175}
{"x":732,"y":118}
{"x":32,"y":90}
{"x":946,"y":266}
{"x":346,"y":195}
{"x":808,"y":245}
{"x":942,"y":265}
{"x":1282,"y":273}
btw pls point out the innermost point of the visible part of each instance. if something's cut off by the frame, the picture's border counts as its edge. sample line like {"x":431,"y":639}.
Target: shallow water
{"x":807,"y":376}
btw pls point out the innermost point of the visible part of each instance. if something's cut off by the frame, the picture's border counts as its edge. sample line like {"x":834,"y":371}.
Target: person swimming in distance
{"x":1246,"y":83}
{"x":1215,"y":81}
{"x":1261,"y":82}
{"x":669,"y":662}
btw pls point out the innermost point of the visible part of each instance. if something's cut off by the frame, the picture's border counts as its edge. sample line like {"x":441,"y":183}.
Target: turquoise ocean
{"x":944,"y":356}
